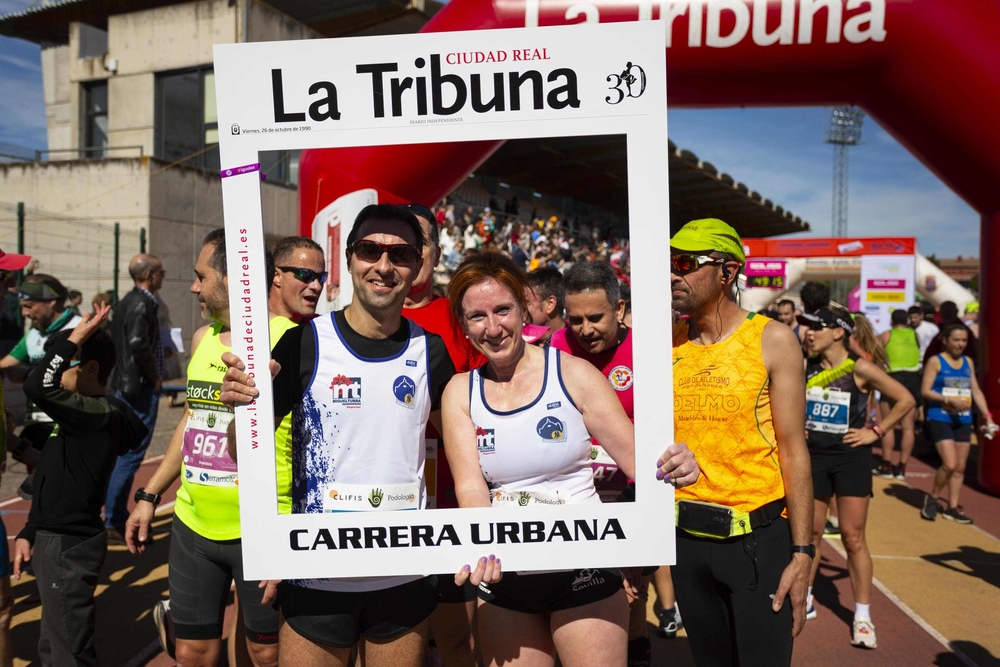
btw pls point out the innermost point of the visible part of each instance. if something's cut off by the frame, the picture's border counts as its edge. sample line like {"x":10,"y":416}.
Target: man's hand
{"x":794,"y":584}
{"x":270,"y":587}
{"x":137,"y":528}
{"x":89,"y":324}
{"x":22,"y":556}
{"x":238,"y":388}
{"x":678,"y":466}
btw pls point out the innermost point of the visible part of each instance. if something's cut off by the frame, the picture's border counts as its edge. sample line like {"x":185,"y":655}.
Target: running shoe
{"x":670,"y":623}
{"x":930,"y":508}
{"x":883,"y":470}
{"x":899,"y":472}
{"x":864,"y":634}
{"x":810,"y":609}
{"x":640,"y":653}
{"x":164,"y":629}
{"x":952,"y":514}
{"x":831,"y":529}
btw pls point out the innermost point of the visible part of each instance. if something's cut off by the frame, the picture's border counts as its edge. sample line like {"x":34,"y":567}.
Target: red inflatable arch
{"x":927,"y":70}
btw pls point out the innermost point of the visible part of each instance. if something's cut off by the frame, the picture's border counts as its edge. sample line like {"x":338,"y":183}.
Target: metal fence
{"x":85,"y":254}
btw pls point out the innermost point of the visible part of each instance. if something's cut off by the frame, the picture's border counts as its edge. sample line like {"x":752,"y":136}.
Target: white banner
{"x":559,"y":81}
{"x":887,"y":283}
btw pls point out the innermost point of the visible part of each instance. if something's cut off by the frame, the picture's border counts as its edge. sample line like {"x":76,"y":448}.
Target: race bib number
{"x":505,"y":498}
{"x":962,"y":393}
{"x":827,"y":410}
{"x":205,"y":451}
{"x":609,"y":480}
{"x":371,"y":497}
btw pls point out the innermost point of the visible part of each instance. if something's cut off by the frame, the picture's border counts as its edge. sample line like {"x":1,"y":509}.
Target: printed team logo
{"x":485,"y":440}
{"x":210,"y":420}
{"x":523,"y":498}
{"x":620,"y":378}
{"x":593,"y":453}
{"x":346,"y":391}
{"x":586,"y":579}
{"x":375,"y":498}
{"x":344,"y":497}
{"x":404,"y":389}
{"x":551,"y":429}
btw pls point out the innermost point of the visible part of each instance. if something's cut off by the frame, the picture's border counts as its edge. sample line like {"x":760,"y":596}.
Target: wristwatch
{"x":141,"y":494}
{"x":808,"y":549}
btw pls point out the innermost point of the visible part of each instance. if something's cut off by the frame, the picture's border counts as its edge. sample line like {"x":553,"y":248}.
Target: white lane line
{"x":914,"y":616}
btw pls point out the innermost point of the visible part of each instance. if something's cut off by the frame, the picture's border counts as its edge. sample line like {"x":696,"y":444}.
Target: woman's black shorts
{"x":552,"y":591}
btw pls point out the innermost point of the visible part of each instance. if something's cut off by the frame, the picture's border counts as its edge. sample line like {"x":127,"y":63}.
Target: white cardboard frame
{"x":597,"y":54}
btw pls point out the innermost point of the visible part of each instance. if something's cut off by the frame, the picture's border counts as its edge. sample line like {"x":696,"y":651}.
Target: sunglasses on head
{"x":305,"y":275}
{"x":399,"y":253}
{"x":683,"y":264}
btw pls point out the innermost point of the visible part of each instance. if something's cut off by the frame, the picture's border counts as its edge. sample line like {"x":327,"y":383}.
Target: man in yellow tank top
{"x":205,"y":547}
{"x":744,"y":547}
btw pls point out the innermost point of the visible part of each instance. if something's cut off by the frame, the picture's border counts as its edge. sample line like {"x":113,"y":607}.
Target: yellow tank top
{"x":208,"y":500}
{"x":722,"y":410}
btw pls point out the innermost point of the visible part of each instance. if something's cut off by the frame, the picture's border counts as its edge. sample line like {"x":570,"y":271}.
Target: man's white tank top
{"x":536,"y":454}
{"x":358,"y":436}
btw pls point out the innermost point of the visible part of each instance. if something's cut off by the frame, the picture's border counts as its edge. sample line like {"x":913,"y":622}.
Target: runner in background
{"x":949,"y":315}
{"x":595,"y":312}
{"x":838,"y":384}
{"x":950,"y":388}
{"x":298,"y":278}
{"x":453,"y":622}
{"x":786,"y":315}
{"x":545,"y":300}
{"x":926,"y":331}
{"x":971,"y":318}
{"x":206,"y":554}
{"x":902,"y":347}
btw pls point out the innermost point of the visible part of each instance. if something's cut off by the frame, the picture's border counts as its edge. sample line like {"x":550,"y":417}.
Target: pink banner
{"x":765,"y":267}
{"x":886,"y":283}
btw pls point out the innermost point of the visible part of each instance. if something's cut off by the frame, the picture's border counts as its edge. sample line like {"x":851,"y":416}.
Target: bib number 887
{"x":825,"y":410}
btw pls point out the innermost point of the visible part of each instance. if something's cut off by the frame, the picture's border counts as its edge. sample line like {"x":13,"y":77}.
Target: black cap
{"x":825,"y":319}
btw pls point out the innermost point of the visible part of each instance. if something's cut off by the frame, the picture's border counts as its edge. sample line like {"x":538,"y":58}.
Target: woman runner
{"x":950,"y":388}
{"x":838,"y":384}
{"x":517,"y":432}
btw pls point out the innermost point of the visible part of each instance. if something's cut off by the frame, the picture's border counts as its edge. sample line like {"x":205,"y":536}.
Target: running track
{"x":937,"y":603}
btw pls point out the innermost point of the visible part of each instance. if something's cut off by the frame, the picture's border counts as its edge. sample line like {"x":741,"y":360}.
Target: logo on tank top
{"x":485,"y":441}
{"x":404,"y":389}
{"x":551,"y":429}
{"x":620,"y":378}
{"x":346,"y":391}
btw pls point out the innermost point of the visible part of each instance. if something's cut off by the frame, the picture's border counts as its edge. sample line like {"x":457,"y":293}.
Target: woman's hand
{"x":859,"y":437}
{"x":488,"y":571}
{"x":678,"y":466}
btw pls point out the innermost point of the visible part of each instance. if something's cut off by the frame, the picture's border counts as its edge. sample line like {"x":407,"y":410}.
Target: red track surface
{"x":970,"y":577}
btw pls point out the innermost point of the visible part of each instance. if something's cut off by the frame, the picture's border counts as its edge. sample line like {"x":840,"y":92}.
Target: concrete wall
{"x":186,"y":204}
{"x":71,"y":208}
{"x":61,"y":104}
{"x":267,"y":24}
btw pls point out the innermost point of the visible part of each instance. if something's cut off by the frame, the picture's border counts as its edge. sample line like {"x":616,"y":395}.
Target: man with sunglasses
{"x":298,"y":278}
{"x":403,"y":371}
{"x":452,"y":622}
{"x":744,"y":529}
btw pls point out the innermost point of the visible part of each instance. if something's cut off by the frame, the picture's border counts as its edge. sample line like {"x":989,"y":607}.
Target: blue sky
{"x":778,"y":152}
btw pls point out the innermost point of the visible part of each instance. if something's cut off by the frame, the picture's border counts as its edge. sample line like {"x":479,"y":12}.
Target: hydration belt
{"x":719,"y":522}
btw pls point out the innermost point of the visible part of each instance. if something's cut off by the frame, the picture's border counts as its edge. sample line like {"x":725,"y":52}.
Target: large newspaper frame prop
{"x":598,"y":80}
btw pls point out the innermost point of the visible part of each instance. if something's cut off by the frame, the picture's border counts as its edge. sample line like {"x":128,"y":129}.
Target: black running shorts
{"x":551,"y":591}
{"x":842,"y":473}
{"x":939,"y":431}
{"x":201,"y":571}
{"x":909,"y":380}
{"x":339,"y":619}
{"x":447,"y":592}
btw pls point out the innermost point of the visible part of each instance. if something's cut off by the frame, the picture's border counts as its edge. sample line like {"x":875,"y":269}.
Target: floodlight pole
{"x":845,"y":131}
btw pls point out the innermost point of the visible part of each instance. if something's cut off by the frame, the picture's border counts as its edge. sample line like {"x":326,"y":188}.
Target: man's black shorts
{"x":911,"y":381}
{"x":447,"y":592}
{"x":339,"y":619}
{"x":842,"y":473}
{"x":551,"y":591}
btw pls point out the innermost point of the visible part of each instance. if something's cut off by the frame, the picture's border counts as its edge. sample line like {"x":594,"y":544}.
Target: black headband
{"x":38,"y":292}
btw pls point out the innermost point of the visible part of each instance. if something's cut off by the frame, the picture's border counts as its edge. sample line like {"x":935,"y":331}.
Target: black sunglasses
{"x":399,"y":253}
{"x":305,"y":275}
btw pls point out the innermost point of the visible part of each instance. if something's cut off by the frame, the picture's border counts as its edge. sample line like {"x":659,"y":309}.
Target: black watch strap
{"x":141,"y":494}
{"x":808,"y":549}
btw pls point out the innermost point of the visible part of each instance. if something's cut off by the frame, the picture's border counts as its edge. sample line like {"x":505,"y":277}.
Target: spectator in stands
{"x":136,"y":379}
{"x":299,"y":276}
{"x":75,"y":299}
{"x":545,"y":299}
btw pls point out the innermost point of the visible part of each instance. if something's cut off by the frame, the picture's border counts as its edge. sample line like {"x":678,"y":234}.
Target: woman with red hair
{"x":517,"y":431}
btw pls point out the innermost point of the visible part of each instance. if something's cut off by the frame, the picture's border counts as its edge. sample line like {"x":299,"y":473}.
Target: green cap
{"x":971,"y":307}
{"x":709,"y":234}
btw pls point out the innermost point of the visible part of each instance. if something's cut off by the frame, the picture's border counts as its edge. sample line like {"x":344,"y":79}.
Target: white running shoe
{"x":864,"y":634}
{"x":810,"y":609}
